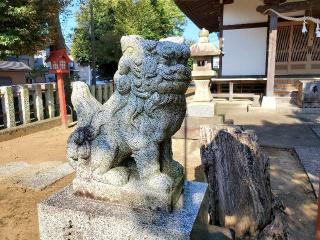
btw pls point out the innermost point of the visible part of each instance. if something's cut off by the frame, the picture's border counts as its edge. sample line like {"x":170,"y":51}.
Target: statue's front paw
{"x":161,"y":182}
{"x":117,"y":176}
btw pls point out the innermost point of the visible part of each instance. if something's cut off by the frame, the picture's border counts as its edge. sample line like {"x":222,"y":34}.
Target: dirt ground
{"x":18,"y":210}
{"x":18,"y":206}
{"x":48,"y":145}
{"x":290,"y":183}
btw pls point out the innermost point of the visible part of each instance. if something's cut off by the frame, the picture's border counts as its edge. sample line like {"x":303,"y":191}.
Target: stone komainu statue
{"x":127,"y":140}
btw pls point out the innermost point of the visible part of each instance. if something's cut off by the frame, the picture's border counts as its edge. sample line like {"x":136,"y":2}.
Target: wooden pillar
{"x":272,"y":48}
{"x":219,"y":90}
{"x":221,"y":39}
{"x":230,"y":91}
{"x":62,"y":100}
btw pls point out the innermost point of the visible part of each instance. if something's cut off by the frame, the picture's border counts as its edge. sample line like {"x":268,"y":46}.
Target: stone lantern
{"x":202,"y":54}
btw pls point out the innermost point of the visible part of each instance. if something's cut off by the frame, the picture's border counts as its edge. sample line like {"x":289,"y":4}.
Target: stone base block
{"x":134,"y":194}
{"x":202,"y":93}
{"x":200,"y":109}
{"x":66,"y":216}
{"x":269,"y":103}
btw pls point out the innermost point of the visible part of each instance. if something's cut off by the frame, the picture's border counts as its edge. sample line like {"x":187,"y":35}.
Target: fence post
{"x":38,"y":103}
{"x":55,"y":93}
{"x":8,"y":107}
{"x":104,"y":93}
{"x":93,"y":90}
{"x":24,"y":105}
{"x":99,"y":93}
{"x":110,"y":89}
{"x":49,"y":99}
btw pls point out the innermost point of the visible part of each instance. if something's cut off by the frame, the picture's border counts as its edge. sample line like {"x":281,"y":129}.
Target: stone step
{"x":309,"y":158}
{"x":36,"y":176}
{"x":10,"y":168}
{"x":15,"y":176}
{"x":42,"y":179}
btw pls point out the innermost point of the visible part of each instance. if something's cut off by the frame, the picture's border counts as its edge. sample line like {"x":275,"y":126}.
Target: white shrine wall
{"x":244,"y":49}
{"x":244,"y":46}
{"x":244,"y":52}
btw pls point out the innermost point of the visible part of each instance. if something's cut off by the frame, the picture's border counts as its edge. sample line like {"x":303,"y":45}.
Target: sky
{"x":191,"y":30}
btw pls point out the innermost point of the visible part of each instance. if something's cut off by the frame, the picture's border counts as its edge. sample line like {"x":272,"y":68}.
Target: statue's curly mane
{"x":151,"y":75}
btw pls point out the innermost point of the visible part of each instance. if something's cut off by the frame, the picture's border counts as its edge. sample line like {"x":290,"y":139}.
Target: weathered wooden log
{"x":240,"y":194}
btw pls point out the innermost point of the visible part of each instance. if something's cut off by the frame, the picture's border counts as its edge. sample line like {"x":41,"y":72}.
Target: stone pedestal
{"x":269,"y":103}
{"x":200,"y":109}
{"x":202,"y":92}
{"x":309,"y":94}
{"x":202,"y":104}
{"x":66,"y":216}
{"x":134,"y":194}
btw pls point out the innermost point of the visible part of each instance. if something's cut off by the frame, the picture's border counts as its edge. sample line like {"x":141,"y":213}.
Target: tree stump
{"x":239,"y":183}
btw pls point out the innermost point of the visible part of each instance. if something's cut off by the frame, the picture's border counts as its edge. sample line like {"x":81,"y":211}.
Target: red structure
{"x":60,"y":60}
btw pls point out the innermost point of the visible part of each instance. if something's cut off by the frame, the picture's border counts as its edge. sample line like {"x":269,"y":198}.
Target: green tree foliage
{"x":27,"y":26}
{"x":107,"y":40}
{"x":153,"y":19}
{"x":22,"y":31}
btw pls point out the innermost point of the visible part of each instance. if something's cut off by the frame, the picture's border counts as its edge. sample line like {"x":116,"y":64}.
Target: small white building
{"x":83,"y":72}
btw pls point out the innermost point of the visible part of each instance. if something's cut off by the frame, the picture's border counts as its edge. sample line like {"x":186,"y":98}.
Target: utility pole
{"x":93,"y":51}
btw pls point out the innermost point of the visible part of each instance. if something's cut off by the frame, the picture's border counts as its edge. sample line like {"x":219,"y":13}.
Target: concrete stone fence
{"x":22,"y":104}
{"x":102,"y":92}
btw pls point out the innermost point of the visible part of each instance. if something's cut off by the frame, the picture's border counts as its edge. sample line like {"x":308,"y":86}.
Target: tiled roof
{"x":13,"y":66}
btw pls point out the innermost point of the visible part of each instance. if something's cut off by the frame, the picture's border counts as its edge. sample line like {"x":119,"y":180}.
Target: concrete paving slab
{"x":42,"y":179}
{"x":285,"y":135}
{"x":316,"y":130}
{"x":10,"y":168}
{"x":16,"y":177}
{"x":310,"y":160}
{"x":312,"y":118}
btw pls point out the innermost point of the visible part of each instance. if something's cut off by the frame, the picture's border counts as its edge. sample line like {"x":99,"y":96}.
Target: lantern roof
{"x":203,"y":47}
{"x":56,"y":55}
